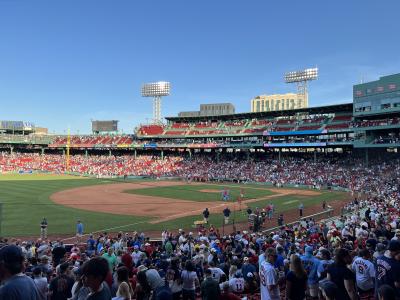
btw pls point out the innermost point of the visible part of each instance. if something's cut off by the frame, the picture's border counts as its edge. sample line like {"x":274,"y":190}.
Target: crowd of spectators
{"x":391,"y":138}
{"x":371,"y":123}
{"x":356,"y":256}
{"x":96,"y":165}
{"x":323,"y":171}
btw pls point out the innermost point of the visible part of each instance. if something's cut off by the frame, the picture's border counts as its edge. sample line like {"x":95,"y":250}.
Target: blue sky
{"x":63,"y":63}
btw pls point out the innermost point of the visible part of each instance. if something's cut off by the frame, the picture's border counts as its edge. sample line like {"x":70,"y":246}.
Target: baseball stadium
{"x":163,"y":176}
{"x":199,"y":150}
{"x":246,"y":180}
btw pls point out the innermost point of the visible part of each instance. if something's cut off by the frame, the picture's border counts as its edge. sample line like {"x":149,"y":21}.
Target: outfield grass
{"x":26,"y":201}
{"x":194,"y":192}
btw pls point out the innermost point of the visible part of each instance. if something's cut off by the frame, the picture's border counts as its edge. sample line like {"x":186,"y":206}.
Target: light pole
{"x":301,"y":79}
{"x":156,"y":90}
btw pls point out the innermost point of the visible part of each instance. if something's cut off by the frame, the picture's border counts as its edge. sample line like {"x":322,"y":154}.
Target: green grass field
{"x":25,"y":201}
{"x":194,"y":192}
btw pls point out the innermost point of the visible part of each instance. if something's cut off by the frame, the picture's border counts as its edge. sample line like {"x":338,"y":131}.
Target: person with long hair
{"x":296,"y":279}
{"x":190,"y":281}
{"x":232,"y":271}
{"x":124,"y":292}
{"x":61,"y":286}
{"x":123,"y":276}
{"x":143,"y":289}
{"x":342,"y":276}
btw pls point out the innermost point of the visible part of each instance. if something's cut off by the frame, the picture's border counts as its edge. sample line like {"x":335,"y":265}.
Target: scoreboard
{"x":104,"y":126}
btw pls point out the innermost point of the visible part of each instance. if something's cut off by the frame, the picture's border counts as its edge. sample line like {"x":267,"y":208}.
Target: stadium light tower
{"x":156,"y":90}
{"x":301,"y":78}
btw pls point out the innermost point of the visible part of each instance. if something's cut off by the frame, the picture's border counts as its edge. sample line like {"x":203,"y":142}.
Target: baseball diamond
{"x":104,"y":204}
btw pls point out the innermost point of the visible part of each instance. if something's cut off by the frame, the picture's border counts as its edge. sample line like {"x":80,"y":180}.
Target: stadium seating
{"x":337,"y":126}
{"x":342,"y":118}
{"x":174,"y":132}
{"x":311,"y":127}
{"x":151,"y":129}
{"x":180,"y":125}
{"x":91,"y":141}
{"x":285,"y":121}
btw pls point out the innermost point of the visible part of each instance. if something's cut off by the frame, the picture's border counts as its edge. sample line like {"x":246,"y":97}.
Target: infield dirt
{"x":110,"y":198}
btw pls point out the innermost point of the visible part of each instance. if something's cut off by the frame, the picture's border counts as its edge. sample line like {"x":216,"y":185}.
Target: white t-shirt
{"x":236,"y":285}
{"x":268,"y":277}
{"x":188,"y":280}
{"x":261,"y":259}
{"x":372,"y":215}
{"x":136,"y":256}
{"x":42,"y":286}
{"x":216,"y":273}
{"x":365,"y":272}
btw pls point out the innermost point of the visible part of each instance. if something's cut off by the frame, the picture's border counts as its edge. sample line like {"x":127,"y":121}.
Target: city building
{"x":376,"y":111}
{"x":278,"y":102}
{"x":377,"y":97}
{"x":213,"y":109}
{"x":185,"y":114}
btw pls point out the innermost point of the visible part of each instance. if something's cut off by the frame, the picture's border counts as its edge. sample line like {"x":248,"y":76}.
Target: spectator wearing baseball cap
{"x":247,"y":268}
{"x":328,"y":289}
{"x":388,"y":268}
{"x":210,"y":288}
{"x":17,"y":286}
{"x":311,"y":264}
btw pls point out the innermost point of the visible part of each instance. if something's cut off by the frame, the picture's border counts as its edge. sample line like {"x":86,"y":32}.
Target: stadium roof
{"x":346,"y":107}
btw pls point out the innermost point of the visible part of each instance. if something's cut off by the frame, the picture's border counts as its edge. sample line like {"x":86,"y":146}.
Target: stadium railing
{"x":326,"y":213}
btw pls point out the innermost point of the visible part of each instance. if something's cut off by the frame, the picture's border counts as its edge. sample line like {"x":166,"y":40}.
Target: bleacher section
{"x":331,"y":126}
{"x":151,"y":130}
{"x":92,"y":141}
{"x":249,"y":126}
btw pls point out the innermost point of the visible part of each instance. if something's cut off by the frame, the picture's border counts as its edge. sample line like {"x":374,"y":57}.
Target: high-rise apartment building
{"x":278,"y":102}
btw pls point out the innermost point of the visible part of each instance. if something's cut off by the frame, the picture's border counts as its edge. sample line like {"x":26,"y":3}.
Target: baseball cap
{"x":250,"y":275}
{"x":329,"y":288}
{"x":380,"y":247}
{"x":394,"y":245}
{"x":309,"y":250}
{"x":371,"y":243}
{"x":45,"y":258}
{"x":142,"y":268}
{"x":11,"y":254}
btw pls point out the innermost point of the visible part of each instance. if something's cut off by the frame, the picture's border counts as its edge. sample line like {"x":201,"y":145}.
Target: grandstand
{"x":316,"y":129}
{"x":311,"y":155}
{"x":370,"y":123}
